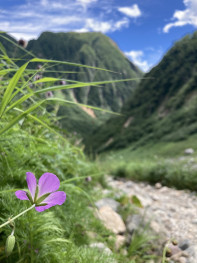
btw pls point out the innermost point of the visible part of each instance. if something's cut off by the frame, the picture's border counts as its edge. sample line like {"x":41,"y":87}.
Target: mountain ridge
{"x":163,"y":106}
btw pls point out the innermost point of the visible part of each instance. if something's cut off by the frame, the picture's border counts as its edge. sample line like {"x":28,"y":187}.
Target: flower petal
{"x":42,"y":208}
{"x":57,"y":198}
{"x":48,"y":183}
{"x":31,"y":182}
{"x":22,"y":195}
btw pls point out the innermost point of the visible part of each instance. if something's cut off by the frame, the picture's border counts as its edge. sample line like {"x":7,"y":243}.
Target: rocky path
{"x":171,"y":212}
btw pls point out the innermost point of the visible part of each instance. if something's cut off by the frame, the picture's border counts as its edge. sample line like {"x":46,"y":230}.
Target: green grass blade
{"x":19,"y":101}
{"x":10,"y":88}
{"x":78,"y":178}
{"x":68,"y":63}
{"x":34,"y":118}
{"x":46,"y":79}
{"x":3,"y":50}
{"x":80,"y":85}
{"x":19,"y":117}
{"x":56,"y":240}
{"x":82,"y":105}
{"x":3,"y":72}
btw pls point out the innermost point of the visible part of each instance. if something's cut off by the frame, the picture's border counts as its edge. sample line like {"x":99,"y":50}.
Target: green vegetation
{"x":145,"y":143}
{"x":163,"y":163}
{"x":162,"y":108}
{"x":31,"y":141}
{"x":95,"y":50}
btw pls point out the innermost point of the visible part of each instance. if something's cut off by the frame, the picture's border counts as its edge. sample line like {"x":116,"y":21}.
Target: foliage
{"x":33,"y":143}
{"x":140,"y":245}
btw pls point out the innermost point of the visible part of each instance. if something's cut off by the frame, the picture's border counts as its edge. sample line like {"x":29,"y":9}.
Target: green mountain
{"x":162,"y":108}
{"x":93,"y":49}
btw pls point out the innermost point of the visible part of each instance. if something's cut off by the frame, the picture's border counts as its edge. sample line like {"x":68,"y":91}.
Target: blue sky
{"x":143,"y":29}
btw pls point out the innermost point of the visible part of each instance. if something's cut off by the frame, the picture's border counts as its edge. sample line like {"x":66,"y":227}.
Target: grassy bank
{"x":163,"y":162}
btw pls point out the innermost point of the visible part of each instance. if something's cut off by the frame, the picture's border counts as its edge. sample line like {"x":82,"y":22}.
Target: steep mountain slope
{"x":163,"y":106}
{"x":93,"y":49}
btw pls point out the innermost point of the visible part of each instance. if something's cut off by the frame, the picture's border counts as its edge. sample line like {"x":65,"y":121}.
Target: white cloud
{"x":132,"y":11}
{"x":103,"y":26}
{"x":184,"y":17}
{"x":92,"y":25}
{"x":30,"y":19}
{"x":119,"y":24}
{"x":64,"y":20}
{"x":146,"y":59}
{"x":86,"y":2}
{"x":44,"y":2}
{"x":136,"y":57}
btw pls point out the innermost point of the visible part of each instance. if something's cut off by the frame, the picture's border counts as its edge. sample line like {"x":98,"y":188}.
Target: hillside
{"x":162,"y":108}
{"x":93,"y":49}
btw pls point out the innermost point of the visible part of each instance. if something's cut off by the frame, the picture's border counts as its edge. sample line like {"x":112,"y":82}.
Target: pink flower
{"x":45,"y":194}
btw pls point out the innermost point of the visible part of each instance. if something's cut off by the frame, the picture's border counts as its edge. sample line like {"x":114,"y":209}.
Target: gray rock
{"x":194,"y":167}
{"x":107,"y":202}
{"x":156,"y":227}
{"x":182,"y":260}
{"x":133,"y":222}
{"x":129,"y":184}
{"x":189,"y":151}
{"x":180,"y":257}
{"x":158,"y":185}
{"x":184,"y":244}
{"x":120,"y":240}
{"x":111,"y":220}
{"x":194,"y":221}
{"x":192,"y":251}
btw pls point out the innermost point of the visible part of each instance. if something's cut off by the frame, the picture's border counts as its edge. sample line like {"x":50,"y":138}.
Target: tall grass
{"x":30,"y":141}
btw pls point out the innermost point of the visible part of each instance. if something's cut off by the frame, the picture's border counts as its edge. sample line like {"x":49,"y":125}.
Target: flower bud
{"x":88,"y":179}
{"x":9,"y":246}
{"x":174,"y":242}
{"x":22,"y":43}
{"x":168,"y":252}
{"x":62,"y":82}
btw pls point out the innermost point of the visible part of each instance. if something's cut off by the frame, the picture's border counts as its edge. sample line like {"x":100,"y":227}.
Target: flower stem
{"x":164,"y":251}
{"x":12,"y":219}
